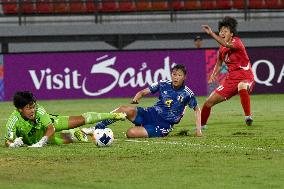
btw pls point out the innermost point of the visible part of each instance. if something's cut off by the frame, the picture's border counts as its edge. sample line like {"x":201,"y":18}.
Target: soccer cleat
{"x":88,"y":131}
{"x":248,"y":120}
{"x":119,"y":116}
{"x":203,"y":127}
{"x":81,"y":136}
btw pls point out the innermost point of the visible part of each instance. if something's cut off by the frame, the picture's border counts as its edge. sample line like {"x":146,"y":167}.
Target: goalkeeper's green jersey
{"x":31,"y":131}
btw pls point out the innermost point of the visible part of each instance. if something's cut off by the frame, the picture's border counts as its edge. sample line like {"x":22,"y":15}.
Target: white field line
{"x":205,"y":145}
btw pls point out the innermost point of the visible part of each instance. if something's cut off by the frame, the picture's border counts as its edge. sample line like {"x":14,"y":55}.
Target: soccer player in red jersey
{"x":239,"y":80}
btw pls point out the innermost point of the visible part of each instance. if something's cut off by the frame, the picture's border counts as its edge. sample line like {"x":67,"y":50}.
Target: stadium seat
{"x":238,"y":4}
{"x":44,"y":6}
{"x":257,"y":4}
{"x":143,"y":5}
{"x":223,"y":4}
{"x":192,"y":5}
{"x":275,"y":4}
{"x":160,"y":5}
{"x":77,"y":6}
{"x":127,"y":6}
{"x":109,"y":6}
{"x":176,"y":5}
{"x":208,"y":4}
{"x":61,"y":6}
{"x":10,"y":6}
{"x":91,"y":6}
{"x":28,"y":7}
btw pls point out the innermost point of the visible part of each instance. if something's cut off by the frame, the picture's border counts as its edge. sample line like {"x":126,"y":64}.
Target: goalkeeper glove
{"x":17,"y":143}
{"x":41,"y":143}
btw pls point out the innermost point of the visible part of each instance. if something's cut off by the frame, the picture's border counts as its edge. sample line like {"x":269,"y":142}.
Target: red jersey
{"x":237,"y":60}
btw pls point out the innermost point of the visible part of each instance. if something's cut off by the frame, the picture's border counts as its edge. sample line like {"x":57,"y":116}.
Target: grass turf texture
{"x":229,"y":155}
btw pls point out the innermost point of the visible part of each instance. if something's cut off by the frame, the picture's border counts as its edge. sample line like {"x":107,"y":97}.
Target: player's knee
{"x":130,"y":133}
{"x":242,"y":85}
{"x":130,"y":111}
{"x":208,"y":104}
{"x":124,"y":108}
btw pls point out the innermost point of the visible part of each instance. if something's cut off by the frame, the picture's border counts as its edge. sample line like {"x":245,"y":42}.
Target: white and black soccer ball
{"x":103,"y":137}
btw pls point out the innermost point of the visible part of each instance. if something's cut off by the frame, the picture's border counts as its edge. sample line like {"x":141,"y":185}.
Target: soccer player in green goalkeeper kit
{"x":29,"y":124}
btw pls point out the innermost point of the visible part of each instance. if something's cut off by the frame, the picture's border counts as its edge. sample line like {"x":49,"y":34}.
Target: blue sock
{"x":103,"y":124}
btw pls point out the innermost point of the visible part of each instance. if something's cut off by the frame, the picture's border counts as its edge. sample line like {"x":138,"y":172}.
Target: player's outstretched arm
{"x":197,"y":112}
{"x":139,"y":95}
{"x":43,"y":141}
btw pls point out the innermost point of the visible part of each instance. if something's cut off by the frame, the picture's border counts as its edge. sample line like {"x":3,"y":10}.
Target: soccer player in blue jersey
{"x":158,"y":120}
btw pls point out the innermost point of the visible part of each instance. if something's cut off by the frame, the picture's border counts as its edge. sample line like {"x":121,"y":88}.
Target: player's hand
{"x":17,"y":143}
{"x":212,"y":78}
{"x":134,"y":102}
{"x":41,"y":143}
{"x":36,"y":145}
{"x":207,"y":29}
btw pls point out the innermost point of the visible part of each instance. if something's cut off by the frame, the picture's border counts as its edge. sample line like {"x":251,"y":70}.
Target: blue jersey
{"x":172,"y":102}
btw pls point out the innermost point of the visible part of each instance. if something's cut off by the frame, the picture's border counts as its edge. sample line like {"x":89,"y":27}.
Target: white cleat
{"x":88,"y":131}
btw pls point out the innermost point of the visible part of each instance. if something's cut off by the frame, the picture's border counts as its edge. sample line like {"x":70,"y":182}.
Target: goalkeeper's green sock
{"x":93,"y":117}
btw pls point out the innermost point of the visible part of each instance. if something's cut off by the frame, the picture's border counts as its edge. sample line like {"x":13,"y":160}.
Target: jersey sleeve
{"x":154,"y":87}
{"x":237,"y":43}
{"x":11,"y":127}
{"x":192,"y":102}
{"x":43,"y":116}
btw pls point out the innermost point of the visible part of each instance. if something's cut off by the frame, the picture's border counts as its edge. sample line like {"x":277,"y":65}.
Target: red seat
{"x":109,"y":6}
{"x":192,"y":5}
{"x":28,"y":7}
{"x":91,"y":6}
{"x":143,"y":5}
{"x":223,"y":4}
{"x":275,"y":4}
{"x":77,"y":6}
{"x":44,"y":6}
{"x":208,"y":4}
{"x":238,"y":4}
{"x":127,"y":6}
{"x":160,"y":5}
{"x":177,"y":5}
{"x":257,"y":4}
{"x":61,"y":6}
{"x":10,"y":6}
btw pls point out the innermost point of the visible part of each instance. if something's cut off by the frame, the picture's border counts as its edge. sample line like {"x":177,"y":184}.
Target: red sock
{"x":245,"y":100}
{"x":205,"y":113}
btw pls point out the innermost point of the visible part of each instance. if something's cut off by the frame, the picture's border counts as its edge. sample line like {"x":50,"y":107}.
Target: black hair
{"x":23,"y":98}
{"x":179,"y":67}
{"x":198,"y":37}
{"x":229,"y":22}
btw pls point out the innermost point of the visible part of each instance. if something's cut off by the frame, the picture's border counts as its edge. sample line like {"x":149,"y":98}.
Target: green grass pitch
{"x":229,"y":155}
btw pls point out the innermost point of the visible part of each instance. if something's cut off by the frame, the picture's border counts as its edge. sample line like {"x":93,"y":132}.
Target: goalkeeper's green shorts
{"x":60,"y":123}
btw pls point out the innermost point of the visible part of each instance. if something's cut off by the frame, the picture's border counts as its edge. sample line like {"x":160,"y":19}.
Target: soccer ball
{"x":103,"y":137}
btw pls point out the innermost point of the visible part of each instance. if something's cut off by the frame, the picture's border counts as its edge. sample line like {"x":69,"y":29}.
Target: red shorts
{"x":229,"y":86}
